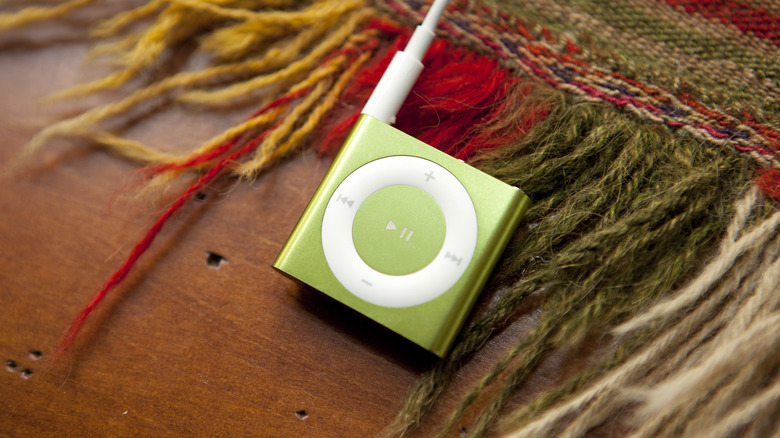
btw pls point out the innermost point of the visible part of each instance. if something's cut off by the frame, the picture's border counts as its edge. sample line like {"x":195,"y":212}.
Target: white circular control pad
{"x":441,"y":273}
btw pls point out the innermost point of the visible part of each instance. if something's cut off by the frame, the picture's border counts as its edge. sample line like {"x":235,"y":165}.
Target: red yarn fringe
{"x":70,"y":334}
{"x":457,"y":93}
{"x":768,"y":180}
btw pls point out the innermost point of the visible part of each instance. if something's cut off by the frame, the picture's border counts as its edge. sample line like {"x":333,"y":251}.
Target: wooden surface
{"x":180,"y":348}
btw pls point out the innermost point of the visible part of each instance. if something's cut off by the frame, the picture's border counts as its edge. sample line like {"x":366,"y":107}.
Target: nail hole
{"x":26,"y":373}
{"x":10,"y":365}
{"x":463,"y":432}
{"x":302,"y":415}
{"x":200,"y":196}
{"x":214,"y":260}
{"x":35,"y":354}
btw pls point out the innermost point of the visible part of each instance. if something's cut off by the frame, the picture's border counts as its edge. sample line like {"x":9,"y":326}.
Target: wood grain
{"x":180,"y":348}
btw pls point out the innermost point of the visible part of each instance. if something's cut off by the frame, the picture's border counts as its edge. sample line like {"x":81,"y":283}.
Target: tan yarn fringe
{"x":712,"y":370}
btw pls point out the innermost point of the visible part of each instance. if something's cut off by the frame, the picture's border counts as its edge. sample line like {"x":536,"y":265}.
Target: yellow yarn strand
{"x":295,"y":19}
{"x":157,"y":185}
{"x":246,"y":170}
{"x":318,"y":75}
{"x":269,"y":151}
{"x":35,"y":13}
{"x":330,"y":99}
{"x":109,"y":49}
{"x":173,"y":25}
{"x":137,"y":151}
{"x":263,"y":119}
{"x":284,"y":75}
{"x":127,"y":148}
{"x":120,"y":21}
{"x":79,"y":124}
{"x":148,"y":48}
{"x":235,"y":41}
{"x":160,"y":181}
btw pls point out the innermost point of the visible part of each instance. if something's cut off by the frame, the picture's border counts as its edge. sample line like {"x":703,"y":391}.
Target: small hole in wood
{"x":463,"y":432}
{"x":10,"y":365}
{"x":200,"y":196}
{"x":35,"y":354}
{"x":214,"y":260}
{"x":301,"y":415}
{"x":26,"y":373}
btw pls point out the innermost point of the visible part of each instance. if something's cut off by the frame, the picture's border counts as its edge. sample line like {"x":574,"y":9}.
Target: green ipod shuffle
{"x":397,"y":230}
{"x":403,"y":233}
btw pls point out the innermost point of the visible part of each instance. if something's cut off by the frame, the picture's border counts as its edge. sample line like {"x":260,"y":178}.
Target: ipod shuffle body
{"x":403,"y":233}
{"x":397,"y":230}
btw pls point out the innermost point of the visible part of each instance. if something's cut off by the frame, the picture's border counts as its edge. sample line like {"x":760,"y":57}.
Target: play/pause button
{"x":398,"y":230}
{"x":406,"y":233}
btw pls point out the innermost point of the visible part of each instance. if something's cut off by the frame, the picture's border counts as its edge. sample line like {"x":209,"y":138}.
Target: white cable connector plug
{"x":403,"y":71}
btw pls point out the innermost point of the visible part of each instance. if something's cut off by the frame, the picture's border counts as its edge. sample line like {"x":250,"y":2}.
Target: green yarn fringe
{"x":622,"y":212}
